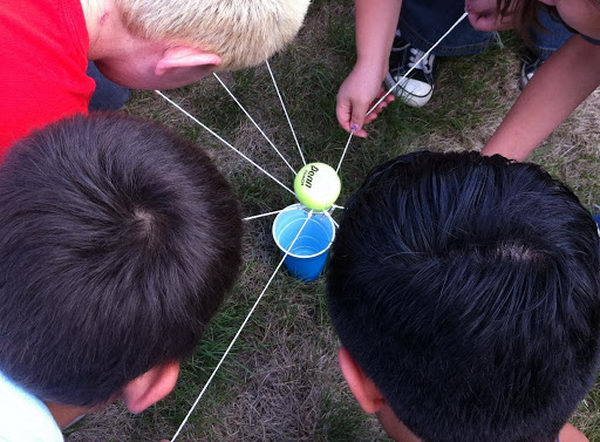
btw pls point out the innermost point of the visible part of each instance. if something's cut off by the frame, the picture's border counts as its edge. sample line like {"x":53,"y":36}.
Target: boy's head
{"x":118,"y":241}
{"x":170,"y":43}
{"x":466,"y":294}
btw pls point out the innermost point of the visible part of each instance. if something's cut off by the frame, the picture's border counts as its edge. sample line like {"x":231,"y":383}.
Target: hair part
{"x":243,"y":33}
{"x":468,"y":289}
{"x":118,"y":242}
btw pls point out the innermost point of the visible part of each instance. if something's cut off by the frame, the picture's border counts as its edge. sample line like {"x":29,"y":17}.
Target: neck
{"x":99,"y":15}
{"x":65,"y":415}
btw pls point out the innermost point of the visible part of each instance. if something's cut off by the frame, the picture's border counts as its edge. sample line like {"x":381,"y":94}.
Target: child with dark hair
{"x":466,"y":294}
{"x":118,"y":242}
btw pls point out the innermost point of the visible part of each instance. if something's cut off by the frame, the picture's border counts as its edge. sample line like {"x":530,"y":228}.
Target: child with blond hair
{"x":142,"y":44}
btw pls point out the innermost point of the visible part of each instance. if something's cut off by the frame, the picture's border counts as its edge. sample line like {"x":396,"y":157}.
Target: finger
{"x":382,"y":93}
{"x":357,"y":119}
{"x":343,"y":114}
{"x":381,"y":107}
{"x":484,"y":23}
{"x":369,"y":119}
{"x":361,"y":133}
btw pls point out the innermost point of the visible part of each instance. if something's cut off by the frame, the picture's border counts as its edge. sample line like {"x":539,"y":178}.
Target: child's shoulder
{"x":23,"y":417}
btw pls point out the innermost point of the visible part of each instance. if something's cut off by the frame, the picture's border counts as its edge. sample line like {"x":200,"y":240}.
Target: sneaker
{"x":531,"y":63}
{"x":416,"y":90}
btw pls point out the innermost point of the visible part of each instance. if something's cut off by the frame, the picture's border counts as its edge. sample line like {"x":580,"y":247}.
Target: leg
{"x":545,"y":41}
{"x":551,"y":36}
{"x":108,"y":95}
{"x":421,"y":24}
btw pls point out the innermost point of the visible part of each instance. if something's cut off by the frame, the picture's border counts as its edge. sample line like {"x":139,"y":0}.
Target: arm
{"x":376,"y":22}
{"x":559,"y":86}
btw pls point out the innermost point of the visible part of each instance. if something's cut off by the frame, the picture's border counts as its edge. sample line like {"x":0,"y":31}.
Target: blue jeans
{"x":108,"y":95}
{"x":423,"y":22}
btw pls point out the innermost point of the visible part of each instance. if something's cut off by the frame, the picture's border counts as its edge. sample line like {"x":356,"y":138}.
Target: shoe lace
{"x":426,"y":65}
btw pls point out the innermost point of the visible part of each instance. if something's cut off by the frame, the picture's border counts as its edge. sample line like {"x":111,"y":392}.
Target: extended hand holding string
{"x":384,"y":96}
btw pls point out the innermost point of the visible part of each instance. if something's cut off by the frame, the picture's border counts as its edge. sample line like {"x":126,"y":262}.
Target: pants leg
{"x":108,"y":95}
{"x":551,"y":36}
{"x":423,"y":22}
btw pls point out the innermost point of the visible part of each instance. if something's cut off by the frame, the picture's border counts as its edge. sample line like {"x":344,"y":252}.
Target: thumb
{"x":357,"y":119}
{"x":343,"y":112}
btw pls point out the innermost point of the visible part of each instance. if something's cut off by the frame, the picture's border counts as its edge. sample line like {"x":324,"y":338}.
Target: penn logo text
{"x":308,"y":176}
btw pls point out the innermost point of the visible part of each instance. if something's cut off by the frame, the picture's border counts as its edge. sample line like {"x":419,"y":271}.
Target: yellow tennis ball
{"x":317,"y":186}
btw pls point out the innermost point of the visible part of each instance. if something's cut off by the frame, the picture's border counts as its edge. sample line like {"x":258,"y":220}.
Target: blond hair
{"x":242,"y":32}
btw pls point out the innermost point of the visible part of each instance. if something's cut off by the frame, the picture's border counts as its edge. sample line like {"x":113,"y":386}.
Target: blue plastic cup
{"x":307,"y":257}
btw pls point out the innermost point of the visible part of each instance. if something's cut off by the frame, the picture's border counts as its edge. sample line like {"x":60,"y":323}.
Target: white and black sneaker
{"x":531,"y":63}
{"x":417,"y":89}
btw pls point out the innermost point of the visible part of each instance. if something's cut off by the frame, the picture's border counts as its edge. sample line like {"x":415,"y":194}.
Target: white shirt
{"x":23,"y":417}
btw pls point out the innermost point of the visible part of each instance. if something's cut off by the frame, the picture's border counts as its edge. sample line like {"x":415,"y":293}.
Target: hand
{"x":356,"y":96}
{"x":485,"y":16}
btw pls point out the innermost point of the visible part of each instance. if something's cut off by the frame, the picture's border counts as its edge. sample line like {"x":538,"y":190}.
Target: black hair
{"x":118,"y":241}
{"x":467,"y":288}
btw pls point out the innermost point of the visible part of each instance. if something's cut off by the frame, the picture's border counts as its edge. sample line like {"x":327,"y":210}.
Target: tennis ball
{"x":317,"y":186}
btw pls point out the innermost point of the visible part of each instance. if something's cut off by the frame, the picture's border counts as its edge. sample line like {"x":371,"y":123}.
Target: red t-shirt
{"x":43,"y":62}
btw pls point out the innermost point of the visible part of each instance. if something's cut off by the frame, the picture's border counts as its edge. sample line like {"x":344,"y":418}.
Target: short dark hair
{"x":467,"y":288}
{"x":118,"y":241}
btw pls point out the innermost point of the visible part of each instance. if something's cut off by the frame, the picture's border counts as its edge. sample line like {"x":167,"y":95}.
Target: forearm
{"x":376,"y":22}
{"x":558,"y":87}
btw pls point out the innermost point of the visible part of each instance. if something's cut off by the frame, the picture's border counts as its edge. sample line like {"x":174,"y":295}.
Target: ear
{"x":185,"y":57}
{"x":363,"y":389}
{"x":150,"y":387}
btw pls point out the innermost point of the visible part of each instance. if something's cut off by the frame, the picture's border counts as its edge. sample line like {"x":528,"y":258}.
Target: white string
{"x":223,"y":140}
{"x":425,"y":55}
{"x":285,"y":111}
{"x":337,"y":169}
{"x":254,"y":122}
{"x":262,"y":215}
{"x":287,"y":251}
{"x":233,"y":341}
{"x":331,"y":218}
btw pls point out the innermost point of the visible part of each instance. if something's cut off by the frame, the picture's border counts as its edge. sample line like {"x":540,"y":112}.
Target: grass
{"x":281,"y":381}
